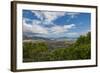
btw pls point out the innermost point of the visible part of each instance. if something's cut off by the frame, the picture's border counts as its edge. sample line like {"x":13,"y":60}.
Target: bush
{"x":39,"y":51}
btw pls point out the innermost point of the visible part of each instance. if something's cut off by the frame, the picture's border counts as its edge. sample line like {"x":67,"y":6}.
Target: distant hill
{"x":25,"y":37}
{"x":45,"y":38}
{"x":34,"y":37}
{"x":66,"y":38}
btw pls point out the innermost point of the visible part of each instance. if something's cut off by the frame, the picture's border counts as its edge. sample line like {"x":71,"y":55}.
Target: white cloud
{"x":57,"y":29}
{"x":39,"y":29}
{"x":72,"y":14}
{"x":26,"y":27}
{"x":36,"y":22}
{"x":69,"y":26}
{"x":47,"y":16}
{"x":62,"y":29}
{"x":50,"y":16}
{"x":38,"y":14}
{"x":34,"y":27}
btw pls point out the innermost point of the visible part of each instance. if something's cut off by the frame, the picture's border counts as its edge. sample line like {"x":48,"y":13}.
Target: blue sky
{"x":55,"y":23}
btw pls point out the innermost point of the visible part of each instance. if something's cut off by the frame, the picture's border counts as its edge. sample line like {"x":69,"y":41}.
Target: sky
{"x":54,"y":24}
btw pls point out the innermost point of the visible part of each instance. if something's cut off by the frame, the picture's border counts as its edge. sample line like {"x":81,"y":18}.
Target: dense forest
{"x":39,"y":51}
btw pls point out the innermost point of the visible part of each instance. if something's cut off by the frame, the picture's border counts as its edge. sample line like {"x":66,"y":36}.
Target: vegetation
{"x":39,"y":51}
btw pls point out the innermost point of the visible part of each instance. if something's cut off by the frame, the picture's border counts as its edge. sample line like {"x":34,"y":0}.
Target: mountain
{"x":25,"y":37}
{"x":66,"y":38}
{"x":34,"y":38}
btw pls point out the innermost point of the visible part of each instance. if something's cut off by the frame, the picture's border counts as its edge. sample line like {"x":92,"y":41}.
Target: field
{"x":57,"y":50}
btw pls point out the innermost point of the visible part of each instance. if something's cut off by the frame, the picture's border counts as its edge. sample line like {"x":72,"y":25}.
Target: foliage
{"x":38,"y":51}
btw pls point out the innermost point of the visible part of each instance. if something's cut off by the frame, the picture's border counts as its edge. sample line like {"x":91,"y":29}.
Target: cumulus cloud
{"x":62,"y":29}
{"x":72,"y":14}
{"x":38,"y":14}
{"x":36,"y":22}
{"x":48,"y":16}
{"x":34,"y":27}
{"x":69,"y":26}
{"x":39,"y":29}
{"x":58,"y":29}
{"x":26,"y":27}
